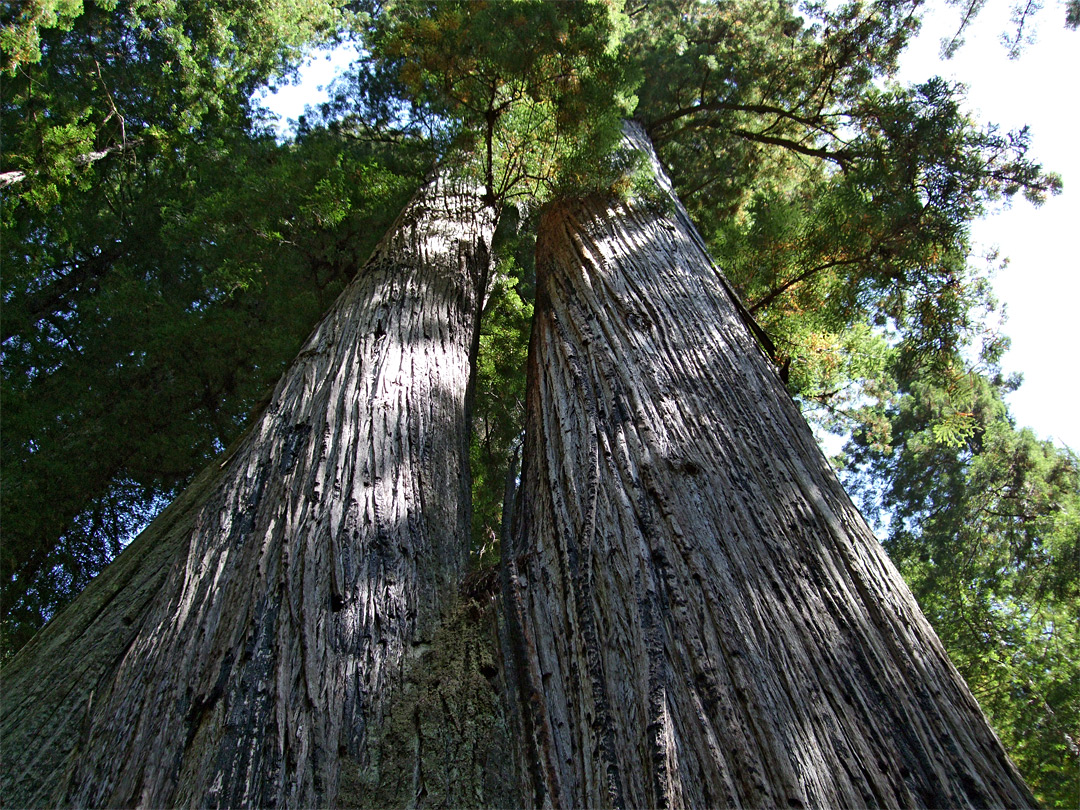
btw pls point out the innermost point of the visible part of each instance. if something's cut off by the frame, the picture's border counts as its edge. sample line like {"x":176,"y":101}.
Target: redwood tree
{"x":704,"y":618}
{"x":256,"y":634}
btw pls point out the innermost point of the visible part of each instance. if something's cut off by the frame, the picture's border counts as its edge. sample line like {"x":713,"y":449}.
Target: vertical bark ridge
{"x":233,"y":656}
{"x":706,"y":618}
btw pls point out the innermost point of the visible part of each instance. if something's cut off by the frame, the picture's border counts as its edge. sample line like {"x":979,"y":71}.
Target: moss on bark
{"x":447,"y":740}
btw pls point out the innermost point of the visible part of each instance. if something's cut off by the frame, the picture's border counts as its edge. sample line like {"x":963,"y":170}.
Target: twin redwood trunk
{"x":256,"y":634}
{"x":696,"y":614}
{"x":705,"y":619}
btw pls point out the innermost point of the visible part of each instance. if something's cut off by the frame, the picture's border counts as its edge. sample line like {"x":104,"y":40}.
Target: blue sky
{"x":1040,"y":285}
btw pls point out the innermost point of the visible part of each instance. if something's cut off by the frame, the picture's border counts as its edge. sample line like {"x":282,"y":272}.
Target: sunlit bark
{"x":696,"y":615}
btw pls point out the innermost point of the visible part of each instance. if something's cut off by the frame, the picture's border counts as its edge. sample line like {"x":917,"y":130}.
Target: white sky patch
{"x":288,"y":101}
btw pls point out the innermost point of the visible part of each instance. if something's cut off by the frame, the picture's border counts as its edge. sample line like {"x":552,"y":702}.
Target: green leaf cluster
{"x":537,"y":89}
{"x":20,"y":37}
{"x":498,"y":411}
{"x":831,"y":196}
{"x":110,"y":79}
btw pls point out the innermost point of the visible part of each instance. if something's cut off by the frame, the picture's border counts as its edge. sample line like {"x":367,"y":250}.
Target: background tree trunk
{"x":705,"y":618}
{"x":257,"y":633}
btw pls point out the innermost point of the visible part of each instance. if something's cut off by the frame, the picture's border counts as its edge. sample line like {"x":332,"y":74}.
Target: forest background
{"x":164,"y":255}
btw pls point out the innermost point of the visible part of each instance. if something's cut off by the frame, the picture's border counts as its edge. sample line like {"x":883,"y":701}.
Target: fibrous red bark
{"x":704,"y":618}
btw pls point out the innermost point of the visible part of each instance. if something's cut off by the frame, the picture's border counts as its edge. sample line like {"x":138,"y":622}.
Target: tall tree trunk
{"x":704,"y":619}
{"x":258,"y":632}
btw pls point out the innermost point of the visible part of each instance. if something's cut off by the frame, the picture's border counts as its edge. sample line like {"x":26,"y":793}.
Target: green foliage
{"x":499,"y":383}
{"x":538,"y":89}
{"x":836,"y":202}
{"x":20,"y":37}
{"x":118,"y":80}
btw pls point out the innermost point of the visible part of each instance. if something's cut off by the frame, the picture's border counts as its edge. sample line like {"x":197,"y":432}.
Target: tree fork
{"x":257,"y":634}
{"x":706,"y":618}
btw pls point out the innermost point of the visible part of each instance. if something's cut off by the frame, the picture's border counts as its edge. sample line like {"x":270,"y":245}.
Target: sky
{"x":1040,"y":284}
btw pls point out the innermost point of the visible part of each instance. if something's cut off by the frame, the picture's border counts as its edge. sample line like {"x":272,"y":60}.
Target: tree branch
{"x":839,"y":157}
{"x":724,"y":106}
{"x":17,"y":176}
{"x":787,"y":285}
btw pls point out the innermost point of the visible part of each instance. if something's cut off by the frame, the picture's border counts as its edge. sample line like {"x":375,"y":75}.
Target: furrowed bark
{"x":705,"y":619}
{"x":257,"y":634}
